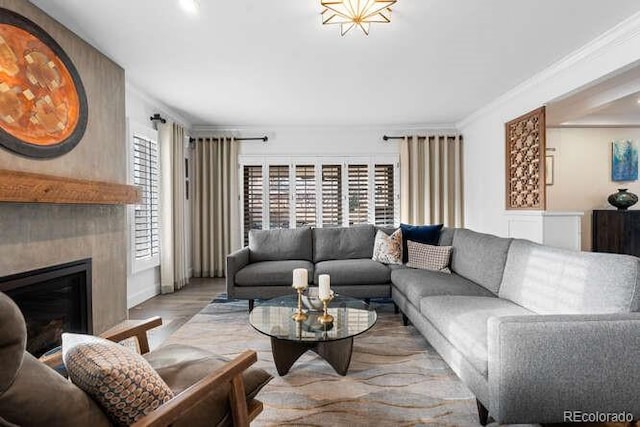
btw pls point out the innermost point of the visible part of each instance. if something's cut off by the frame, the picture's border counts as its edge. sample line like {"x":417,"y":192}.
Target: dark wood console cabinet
{"x":616,"y":232}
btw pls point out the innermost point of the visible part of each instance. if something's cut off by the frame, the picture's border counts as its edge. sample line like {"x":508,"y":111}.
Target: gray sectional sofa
{"x":535,"y":332}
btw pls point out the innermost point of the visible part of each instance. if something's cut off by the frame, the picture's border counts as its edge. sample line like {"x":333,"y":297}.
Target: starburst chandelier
{"x":356,"y":13}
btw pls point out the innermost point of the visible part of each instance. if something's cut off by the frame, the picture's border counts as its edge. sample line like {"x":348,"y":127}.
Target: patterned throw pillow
{"x":427,"y":257}
{"x":121,"y":380}
{"x":388,"y":249}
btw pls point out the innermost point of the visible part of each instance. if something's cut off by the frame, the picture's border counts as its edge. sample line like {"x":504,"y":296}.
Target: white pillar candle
{"x":324,"y":291}
{"x":300,"y":278}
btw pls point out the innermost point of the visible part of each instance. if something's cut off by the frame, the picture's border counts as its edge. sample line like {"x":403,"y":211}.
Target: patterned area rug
{"x":395,"y":377}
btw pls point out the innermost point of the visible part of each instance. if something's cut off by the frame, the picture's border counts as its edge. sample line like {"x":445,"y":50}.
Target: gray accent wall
{"x":40,"y":235}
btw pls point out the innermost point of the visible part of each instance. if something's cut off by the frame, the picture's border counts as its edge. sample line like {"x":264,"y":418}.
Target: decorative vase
{"x":623,"y":199}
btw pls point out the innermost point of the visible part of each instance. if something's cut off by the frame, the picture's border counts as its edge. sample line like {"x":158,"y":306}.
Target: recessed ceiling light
{"x":190,"y":6}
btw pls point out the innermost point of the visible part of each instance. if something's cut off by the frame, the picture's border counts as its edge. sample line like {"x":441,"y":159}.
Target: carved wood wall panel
{"x":525,"y":161}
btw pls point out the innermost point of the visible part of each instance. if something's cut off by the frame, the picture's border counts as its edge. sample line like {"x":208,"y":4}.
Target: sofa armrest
{"x":542,"y":367}
{"x":235,"y":262}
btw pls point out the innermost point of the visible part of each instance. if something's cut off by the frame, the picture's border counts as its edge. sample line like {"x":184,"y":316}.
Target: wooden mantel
{"x":26,"y":187}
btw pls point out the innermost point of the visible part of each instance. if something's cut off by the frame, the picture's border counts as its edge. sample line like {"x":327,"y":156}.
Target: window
{"x":145,"y":240}
{"x":305,"y":194}
{"x":358,"y":190}
{"x":331,"y":195}
{"x":279,"y":196}
{"x":253,"y":204}
{"x":321,"y":192}
{"x":384,"y":195}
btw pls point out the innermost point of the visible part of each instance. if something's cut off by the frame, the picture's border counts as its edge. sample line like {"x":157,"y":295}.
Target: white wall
{"x":582,"y":171}
{"x":139,"y":108}
{"x":325,"y":141}
{"x":483,"y":131}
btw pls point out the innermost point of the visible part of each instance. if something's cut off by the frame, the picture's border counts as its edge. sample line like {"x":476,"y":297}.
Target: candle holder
{"x":326,"y":317}
{"x":299,"y":315}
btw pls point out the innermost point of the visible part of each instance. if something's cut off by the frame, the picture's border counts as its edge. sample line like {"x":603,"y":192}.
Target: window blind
{"x":331,"y":195}
{"x":253,"y":204}
{"x":384,"y":197}
{"x":146,"y":242}
{"x":358,"y":185}
{"x":305,"y":192}
{"x":279,"y":189}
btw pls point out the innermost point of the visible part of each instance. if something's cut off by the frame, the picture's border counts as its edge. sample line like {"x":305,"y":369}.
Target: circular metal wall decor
{"x":43,"y":105}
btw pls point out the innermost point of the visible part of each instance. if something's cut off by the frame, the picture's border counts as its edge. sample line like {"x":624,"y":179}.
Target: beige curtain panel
{"x":174,"y":261}
{"x":215,"y":205}
{"x":431,"y":186}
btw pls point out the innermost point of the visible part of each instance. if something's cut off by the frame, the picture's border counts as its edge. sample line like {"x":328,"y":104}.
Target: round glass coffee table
{"x":291,"y":339}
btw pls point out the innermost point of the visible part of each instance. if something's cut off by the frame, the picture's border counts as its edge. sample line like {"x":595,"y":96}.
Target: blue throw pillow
{"x":427,"y":234}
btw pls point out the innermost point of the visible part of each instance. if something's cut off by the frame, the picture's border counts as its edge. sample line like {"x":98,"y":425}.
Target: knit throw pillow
{"x":428,"y":257}
{"x":119,"y":379}
{"x":388,"y":249}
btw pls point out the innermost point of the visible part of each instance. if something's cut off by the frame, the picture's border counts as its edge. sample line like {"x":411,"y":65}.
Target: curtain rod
{"x":158,"y":118}
{"x":389,"y":138}
{"x":261,"y":138}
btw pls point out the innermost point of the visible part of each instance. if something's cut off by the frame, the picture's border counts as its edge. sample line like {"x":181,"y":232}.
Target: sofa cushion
{"x":416,"y":284}
{"x":279,"y":245}
{"x":462,"y":320}
{"x":480,"y":257}
{"x":354,"y":272}
{"x":31,"y":393}
{"x":41,"y":397}
{"x":446,"y":236}
{"x":271,"y":273}
{"x":559,"y":281}
{"x":13,"y":340}
{"x":181,"y":366}
{"x":427,"y":234}
{"x":343,"y":243}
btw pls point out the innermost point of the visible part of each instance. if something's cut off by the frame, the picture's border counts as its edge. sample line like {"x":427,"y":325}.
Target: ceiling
{"x":271,"y":62}
{"x":614,"y":101}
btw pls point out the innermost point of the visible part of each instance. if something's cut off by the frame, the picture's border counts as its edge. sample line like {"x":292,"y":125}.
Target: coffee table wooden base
{"x":337,"y":353}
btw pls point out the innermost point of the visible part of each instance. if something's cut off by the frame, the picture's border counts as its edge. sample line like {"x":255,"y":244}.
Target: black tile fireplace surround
{"x":53,"y":300}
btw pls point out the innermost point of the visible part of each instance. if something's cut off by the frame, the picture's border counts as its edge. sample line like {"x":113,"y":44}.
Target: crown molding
{"x":434,"y":127}
{"x":624,"y":31}
{"x":163,"y":107}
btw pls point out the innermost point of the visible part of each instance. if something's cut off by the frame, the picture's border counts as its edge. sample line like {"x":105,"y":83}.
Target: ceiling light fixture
{"x":190,"y":6}
{"x":356,"y":13}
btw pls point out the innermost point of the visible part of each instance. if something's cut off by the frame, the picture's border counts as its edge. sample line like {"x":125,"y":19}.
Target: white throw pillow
{"x":428,"y":257}
{"x":388,"y":249}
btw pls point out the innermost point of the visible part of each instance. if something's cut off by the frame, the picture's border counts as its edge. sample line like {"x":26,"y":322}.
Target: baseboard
{"x":142,"y":296}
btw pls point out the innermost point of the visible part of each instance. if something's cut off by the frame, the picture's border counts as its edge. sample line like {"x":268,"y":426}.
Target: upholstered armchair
{"x":208,"y":390}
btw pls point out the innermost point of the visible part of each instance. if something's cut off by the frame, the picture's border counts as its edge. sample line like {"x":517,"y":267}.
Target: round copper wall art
{"x":43,"y":105}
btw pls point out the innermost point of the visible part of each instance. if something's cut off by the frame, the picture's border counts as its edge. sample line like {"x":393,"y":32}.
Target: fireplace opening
{"x":53,"y":300}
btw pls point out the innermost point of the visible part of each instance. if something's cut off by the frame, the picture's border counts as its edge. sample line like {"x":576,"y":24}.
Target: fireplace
{"x":53,"y":300}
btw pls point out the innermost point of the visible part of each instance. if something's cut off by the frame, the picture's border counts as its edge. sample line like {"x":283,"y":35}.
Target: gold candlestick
{"x":299,"y":315}
{"x":326,"y":317}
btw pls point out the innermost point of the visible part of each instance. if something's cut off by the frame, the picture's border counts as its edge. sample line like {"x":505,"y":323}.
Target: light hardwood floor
{"x":176,"y":309}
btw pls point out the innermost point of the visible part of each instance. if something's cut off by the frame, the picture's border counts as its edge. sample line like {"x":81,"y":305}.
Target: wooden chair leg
{"x":251,"y":304}
{"x":483,"y":413}
{"x":238,"y":402}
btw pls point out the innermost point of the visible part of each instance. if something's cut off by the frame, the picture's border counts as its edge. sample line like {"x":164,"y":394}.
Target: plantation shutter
{"x":146,"y":242}
{"x":358,"y":194}
{"x":279,"y":189}
{"x":384,"y":195}
{"x":253,"y":206}
{"x":305,"y":196}
{"x":331,"y":195}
